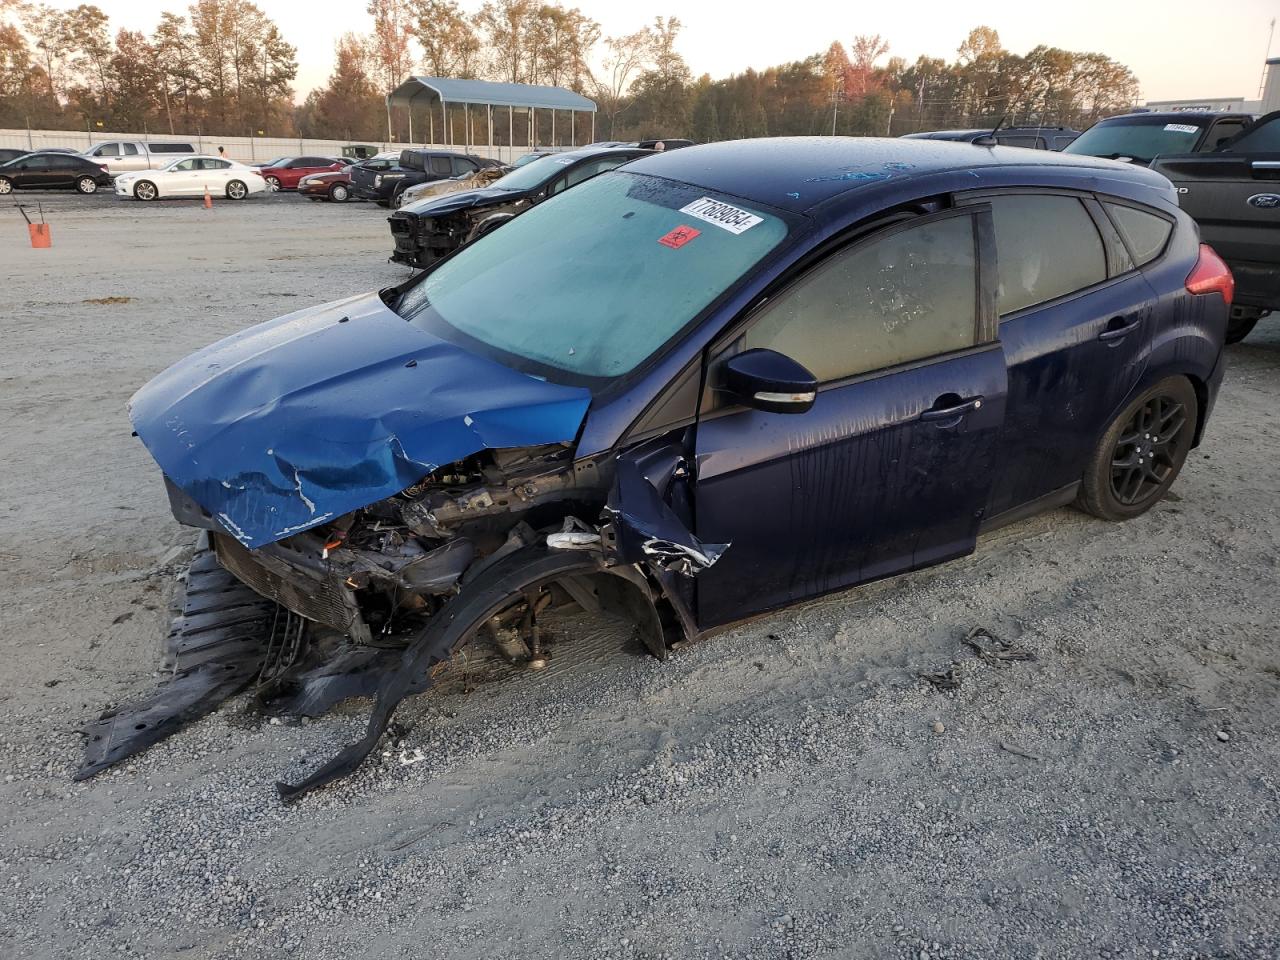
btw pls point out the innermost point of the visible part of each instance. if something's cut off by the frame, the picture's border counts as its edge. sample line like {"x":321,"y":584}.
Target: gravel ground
{"x":790,"y":788}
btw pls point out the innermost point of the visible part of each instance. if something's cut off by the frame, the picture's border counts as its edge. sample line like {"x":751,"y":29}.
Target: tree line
{"x":223,"y":67}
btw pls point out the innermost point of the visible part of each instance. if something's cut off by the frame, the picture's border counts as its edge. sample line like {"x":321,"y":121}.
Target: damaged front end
{"x":428,"y":230}
{"x":376,"y":598}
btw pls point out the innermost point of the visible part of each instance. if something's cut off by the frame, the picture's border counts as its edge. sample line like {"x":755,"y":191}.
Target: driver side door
{"x":184,"y":179}
{"x":891,"y":468}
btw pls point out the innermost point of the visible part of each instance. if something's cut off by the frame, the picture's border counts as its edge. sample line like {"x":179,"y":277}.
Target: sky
{"x":1179,"y":49}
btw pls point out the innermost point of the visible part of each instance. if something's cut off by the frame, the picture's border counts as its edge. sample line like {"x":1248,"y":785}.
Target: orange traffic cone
{"x":208,"y":200}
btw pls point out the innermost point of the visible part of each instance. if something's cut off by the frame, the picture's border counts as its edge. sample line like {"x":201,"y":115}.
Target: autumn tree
{"x":624,"y":59}
{"x":349,"y":104}
{"x":390,"y":53}
{"x":450,"y":45}
{"x":866,"y":50}
{"x":136,"y":81}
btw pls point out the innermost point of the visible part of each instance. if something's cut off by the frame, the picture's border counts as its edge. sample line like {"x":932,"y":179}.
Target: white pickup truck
{"x":124,"y":156}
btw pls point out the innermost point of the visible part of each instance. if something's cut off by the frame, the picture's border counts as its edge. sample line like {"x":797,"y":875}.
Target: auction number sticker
{"x":1182,"y":128}
{"x":723,"y":215}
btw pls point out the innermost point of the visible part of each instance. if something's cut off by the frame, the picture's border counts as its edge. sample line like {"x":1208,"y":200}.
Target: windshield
{"x":1137,"y":138}
{"x":527,"y":159}
{"x":533,"y":174}
{"x":276,"y":162}
{"x":597,"y":279}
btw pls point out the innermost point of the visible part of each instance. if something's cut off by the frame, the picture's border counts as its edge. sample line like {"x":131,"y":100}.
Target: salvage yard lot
{"x":789,"y":788}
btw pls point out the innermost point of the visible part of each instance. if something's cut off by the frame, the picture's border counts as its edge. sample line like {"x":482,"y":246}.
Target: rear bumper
{"x":1211,"y":386}
{"x":1257,"y":284}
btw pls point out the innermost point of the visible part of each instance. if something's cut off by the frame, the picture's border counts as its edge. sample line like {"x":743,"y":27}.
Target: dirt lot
{"x":788,"y":789}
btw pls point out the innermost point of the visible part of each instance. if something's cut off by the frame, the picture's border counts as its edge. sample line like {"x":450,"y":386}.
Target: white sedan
{"x":191,"y":177}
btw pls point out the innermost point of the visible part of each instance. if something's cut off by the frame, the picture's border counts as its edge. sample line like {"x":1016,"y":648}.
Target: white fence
{"x":245,"y":149}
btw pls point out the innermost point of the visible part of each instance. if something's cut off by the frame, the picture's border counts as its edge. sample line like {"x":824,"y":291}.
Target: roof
{"x":436,"y":90}
{"x":800,"y":173}
{"x":1174,"y":114}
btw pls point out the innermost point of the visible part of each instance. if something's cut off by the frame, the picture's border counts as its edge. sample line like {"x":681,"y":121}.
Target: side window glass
{"x":462,"y":167}
{"x":441,"y":166}
{"x":589,"y":170}
{"x":129,"y":150}
{"x":107,"y":150}
{"x":187,"y":165}
{"x":1046,"y":247}
{"x":1263,"y":138}
{"x":884,"y":301}
{"x":1146,"y":233}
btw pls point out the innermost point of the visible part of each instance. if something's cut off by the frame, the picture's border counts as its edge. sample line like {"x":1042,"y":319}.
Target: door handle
{"x":952,"y":409}
{"x":1118,"y":332}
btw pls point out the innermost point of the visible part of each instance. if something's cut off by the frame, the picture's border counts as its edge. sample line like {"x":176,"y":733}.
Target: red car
{"x":283,"y":173}
{"x":336,"y":184}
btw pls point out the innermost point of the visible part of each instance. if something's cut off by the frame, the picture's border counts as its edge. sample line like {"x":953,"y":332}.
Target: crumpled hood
{"x":467,"y":199}
{"x":315,"y":414}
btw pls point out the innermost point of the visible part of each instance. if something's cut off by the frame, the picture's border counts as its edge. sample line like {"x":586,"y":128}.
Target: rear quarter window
{"x":1146,"y":233}
{"x":1046,"y":247}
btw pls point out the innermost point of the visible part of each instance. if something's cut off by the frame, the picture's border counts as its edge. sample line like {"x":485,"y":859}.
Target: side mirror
{"x":769,"y":381}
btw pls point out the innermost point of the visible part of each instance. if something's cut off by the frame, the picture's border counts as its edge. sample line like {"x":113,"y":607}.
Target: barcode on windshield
{"x":723,"y":215}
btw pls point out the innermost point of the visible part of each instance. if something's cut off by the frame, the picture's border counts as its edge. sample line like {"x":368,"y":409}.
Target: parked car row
{"x":425,"y":231}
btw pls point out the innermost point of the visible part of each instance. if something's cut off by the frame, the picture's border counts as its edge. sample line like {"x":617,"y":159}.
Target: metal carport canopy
{"x":488,"y":93}
{"x":444,"y":91}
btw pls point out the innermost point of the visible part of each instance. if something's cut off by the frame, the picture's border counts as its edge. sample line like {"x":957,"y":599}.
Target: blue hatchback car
{"x":708,"y":384}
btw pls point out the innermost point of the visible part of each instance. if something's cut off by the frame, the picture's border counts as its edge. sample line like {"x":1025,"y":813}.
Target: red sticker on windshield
{"x":678,"y":237}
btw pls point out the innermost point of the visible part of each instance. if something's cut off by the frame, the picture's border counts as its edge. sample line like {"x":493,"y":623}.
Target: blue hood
{"x":463,"y":200}
{"x":315,"y":414}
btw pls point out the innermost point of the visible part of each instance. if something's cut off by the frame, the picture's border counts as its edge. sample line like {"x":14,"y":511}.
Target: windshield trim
{"x":797,"y":226}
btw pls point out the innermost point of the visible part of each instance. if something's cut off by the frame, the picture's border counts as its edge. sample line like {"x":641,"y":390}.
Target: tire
{"x":145,"y":190}
{"x":237,"y":190}
{"x":1242,"y":322}
{"x":1142,"y":452}
{"x":339,"y":193}
{"x":6,"y":186}
{"x":273,"y":183}
{"x":87,"y":185}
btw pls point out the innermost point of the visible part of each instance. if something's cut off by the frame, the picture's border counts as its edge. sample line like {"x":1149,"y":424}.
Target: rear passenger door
{"x":892,"y":466}
{"x":1076,"y":320}
{"x":63,"y":170}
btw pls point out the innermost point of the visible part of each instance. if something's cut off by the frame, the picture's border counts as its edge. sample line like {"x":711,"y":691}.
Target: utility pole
{"x":1265,"y":57}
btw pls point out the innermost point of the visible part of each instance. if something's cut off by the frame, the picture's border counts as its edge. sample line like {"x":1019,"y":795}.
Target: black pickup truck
{"x":1234,"y":194}
{"x":414,"y":166}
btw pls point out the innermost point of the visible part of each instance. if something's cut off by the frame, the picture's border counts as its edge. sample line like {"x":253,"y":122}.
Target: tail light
{"x":1211,"y":275}
{"x":105,"y":168}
